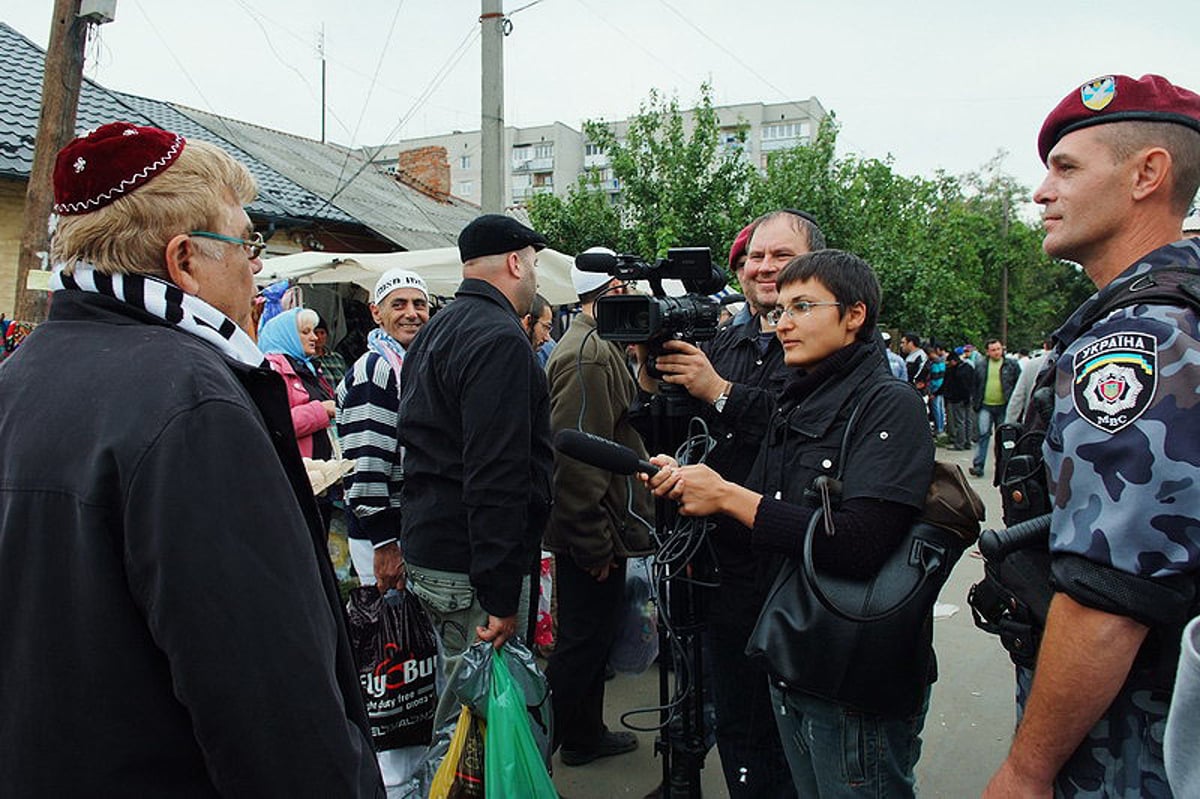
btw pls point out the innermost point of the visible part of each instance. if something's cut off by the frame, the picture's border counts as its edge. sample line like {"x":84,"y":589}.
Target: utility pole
{"x":56,"y":126}
{"x":492,"y":107}
{"x":321,"y":50}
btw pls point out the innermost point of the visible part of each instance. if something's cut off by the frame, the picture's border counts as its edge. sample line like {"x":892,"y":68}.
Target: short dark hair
{"x":849,"y":278}
{"x":912,"y":338}
{"x":1183,"y":143}
{"x":801,"y":221}
{"x":992,"y":341}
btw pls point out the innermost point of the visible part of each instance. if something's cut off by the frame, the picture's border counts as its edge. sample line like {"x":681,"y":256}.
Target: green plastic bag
{"x":512,"y":764}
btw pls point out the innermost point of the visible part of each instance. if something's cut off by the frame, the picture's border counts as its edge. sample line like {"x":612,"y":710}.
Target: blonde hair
{"x":130,"y":234}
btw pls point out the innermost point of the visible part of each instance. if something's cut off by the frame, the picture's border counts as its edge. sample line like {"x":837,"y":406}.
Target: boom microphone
{"x":601,"y":453}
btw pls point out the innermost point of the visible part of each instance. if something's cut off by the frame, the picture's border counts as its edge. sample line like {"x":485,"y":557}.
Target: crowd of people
{"x":172,"y":621}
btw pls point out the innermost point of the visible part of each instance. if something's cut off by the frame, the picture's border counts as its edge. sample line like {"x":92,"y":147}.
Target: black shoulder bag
{"x":867,"y":643}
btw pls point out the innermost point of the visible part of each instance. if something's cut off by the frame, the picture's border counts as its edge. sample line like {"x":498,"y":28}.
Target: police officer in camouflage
{"x":1122,"y":447}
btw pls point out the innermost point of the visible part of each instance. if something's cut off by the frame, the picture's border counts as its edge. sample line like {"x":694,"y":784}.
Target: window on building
{"x":592,"y":149}
{"x":543,"y":179}
{"x":785,"y":131}
{"x":543,"y":150}
{"x":464,"y":162}
{"x":465,"y":188}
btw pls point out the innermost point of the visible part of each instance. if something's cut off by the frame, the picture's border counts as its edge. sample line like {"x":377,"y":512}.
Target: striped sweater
{"x":368,"y":399}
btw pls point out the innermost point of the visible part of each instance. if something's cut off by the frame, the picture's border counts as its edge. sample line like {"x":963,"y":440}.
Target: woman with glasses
{"x":289,"y":341}
{"x":846,"y":731}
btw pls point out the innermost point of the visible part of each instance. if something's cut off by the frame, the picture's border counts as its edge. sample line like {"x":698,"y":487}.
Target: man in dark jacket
{"x":995,"y":378}
{"x":475,"y":421}
{"x":738,"y":375}
{"x":958,"y":391}
{"x":599,"y":520}
{"x":170,"y":617}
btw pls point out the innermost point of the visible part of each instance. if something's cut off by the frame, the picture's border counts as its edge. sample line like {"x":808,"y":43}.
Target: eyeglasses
{"x":253,"y":246}
{"x":798,"y":308}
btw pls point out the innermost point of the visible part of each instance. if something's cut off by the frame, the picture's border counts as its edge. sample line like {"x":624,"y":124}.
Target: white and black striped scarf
{"x":167,"y":302}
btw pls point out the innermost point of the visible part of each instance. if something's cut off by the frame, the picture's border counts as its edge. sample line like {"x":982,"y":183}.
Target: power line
{"x":438,"y":78}
{"x":720,"y":46}
{"x":335,"y":61}
{"x":370,"y":90}
{"x":634,"y":42}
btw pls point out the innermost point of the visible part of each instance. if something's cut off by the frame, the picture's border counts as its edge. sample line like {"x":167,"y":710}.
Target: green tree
{"x":940,"y":244}
{"x":584,"y":218}
{"x":680,"y":186}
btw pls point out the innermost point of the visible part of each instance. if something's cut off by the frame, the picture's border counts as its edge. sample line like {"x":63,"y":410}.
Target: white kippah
{"x":394,"y":279}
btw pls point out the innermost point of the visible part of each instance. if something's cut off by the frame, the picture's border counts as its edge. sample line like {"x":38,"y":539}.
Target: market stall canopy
{"x":441,"y":269}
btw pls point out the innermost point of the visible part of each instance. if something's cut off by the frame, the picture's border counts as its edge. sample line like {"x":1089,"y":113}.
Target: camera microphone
{"x":601,"y":453}
{"x":597,"y":259}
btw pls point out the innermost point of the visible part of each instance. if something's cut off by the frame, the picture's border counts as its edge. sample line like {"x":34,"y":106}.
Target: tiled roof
{"x":295,"y":176}
{"x":392,"y":210}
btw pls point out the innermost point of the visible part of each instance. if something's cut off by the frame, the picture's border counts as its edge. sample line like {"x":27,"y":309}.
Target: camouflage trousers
{"x":1122,"y":755}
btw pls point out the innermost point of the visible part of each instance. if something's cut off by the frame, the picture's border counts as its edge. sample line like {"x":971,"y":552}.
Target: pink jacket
{"x":308,"y":415}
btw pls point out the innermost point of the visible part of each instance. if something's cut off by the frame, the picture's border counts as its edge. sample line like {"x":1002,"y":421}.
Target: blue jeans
{"x":937,"y":413}
{"x":838,"y":753}
{"x":989,"y":417}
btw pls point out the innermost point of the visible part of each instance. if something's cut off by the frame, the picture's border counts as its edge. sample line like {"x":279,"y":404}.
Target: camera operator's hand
{"x":700,"y":491}
{"x":686,"y":365}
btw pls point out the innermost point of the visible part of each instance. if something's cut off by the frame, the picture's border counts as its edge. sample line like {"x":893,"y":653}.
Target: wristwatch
{"x":722,"y":398}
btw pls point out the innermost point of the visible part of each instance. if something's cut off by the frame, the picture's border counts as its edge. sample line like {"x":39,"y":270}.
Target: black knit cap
{"x":492,"y":234}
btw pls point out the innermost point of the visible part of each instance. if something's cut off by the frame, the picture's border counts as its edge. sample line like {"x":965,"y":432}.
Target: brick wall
{"x":426,"y":169}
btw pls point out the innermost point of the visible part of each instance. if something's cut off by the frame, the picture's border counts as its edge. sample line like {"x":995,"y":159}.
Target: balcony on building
{"x":784,"y":135}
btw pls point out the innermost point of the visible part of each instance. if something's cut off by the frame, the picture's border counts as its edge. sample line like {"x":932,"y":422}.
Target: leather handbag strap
{"x":927,"y":556}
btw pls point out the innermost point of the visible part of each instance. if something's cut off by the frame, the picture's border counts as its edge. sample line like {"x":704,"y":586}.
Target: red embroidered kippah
{"x":109,"y":162}
{"x":1117,"y":98}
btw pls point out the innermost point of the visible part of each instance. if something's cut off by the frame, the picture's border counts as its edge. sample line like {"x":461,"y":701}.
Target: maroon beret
{"x":1119,"y":98}
{"x":739,"y":245}
{"x":109,"y":162}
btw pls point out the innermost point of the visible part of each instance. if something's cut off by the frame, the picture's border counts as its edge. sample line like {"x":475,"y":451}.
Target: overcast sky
{"x":935,"y":83}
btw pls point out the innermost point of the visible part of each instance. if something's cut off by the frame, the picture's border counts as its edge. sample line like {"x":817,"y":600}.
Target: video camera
{"x":638,"y":319}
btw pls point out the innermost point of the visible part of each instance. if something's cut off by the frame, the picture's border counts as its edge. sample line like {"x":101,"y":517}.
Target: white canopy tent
{"x":441,"y":269}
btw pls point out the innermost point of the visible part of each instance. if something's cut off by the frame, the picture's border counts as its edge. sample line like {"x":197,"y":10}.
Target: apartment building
{"x":550,"y":158}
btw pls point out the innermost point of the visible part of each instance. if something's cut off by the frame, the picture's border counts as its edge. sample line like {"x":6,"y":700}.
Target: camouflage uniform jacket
{"x":1123,"y":445}
{"x":1122,"y":451}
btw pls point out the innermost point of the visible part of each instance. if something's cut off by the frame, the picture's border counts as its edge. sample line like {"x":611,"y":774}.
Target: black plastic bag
{"x":397,"y":658}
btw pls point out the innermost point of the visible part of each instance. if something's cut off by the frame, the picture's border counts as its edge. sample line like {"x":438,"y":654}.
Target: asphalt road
{"x":966,"y":734}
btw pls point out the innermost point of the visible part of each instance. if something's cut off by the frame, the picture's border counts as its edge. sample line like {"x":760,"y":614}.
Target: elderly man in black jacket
{"x":475,"y":421}
{"x":170,"y":619}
